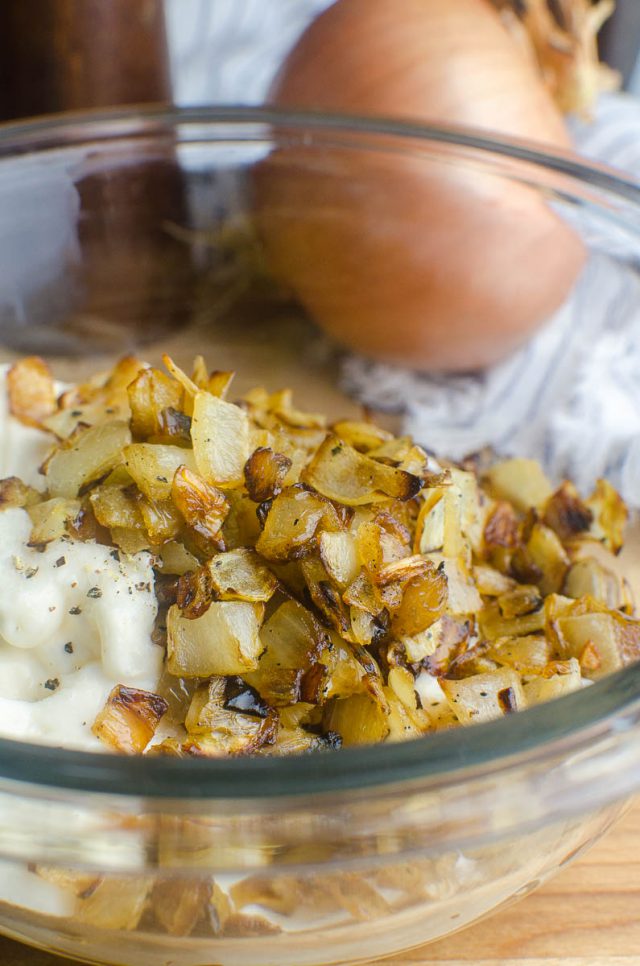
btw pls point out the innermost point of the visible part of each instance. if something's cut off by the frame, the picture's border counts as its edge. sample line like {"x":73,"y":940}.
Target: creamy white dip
{"x":75,"y":620}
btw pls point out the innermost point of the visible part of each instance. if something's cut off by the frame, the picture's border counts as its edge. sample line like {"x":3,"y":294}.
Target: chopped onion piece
{"x":86,"y":456}
{"x":341,"y":473}
{"x":153,"y":466}
{"x":128,"y":721}
{"x":241,"y":575}
{"x":31,"y":389}
{"x":520,"y":481}
{"x":483,"y":697}
{"x":220,"y":435}
{"x":224,"y":640}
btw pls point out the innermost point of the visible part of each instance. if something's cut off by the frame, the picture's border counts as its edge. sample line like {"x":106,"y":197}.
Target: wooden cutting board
{"x":588,"y":916}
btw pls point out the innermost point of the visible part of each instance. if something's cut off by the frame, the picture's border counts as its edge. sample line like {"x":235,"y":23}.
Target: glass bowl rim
{"x":73,"y":127}
{"x":442,"y":758}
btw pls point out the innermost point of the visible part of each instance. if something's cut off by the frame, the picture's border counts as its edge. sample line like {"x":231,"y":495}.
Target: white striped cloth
{"x":227,"y":51}
{"x":571,"y":397}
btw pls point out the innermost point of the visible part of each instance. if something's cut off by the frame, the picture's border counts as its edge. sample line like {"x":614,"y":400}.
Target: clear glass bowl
{"x":132,"y":231}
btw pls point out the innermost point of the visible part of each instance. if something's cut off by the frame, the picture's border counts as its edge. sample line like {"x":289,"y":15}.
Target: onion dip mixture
{"x":186,"y":575}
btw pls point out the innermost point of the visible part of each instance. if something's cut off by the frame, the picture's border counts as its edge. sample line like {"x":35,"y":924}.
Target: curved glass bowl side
{"x":407,"y":811}
{"x":92,"y":143}
{"x":279,"y":916}
{"x":328,"y":858}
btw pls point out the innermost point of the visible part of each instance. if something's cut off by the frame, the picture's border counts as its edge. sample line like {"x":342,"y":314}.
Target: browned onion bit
{"x":264,"y":473}
{"x":203,"y":507}
{"x":32,"y":395}
{"x":566,"y":513}
{"x":174,"y":425}
{"x":129,"y":719}
{"x":151,"y":394}
{"x":194,"y":592}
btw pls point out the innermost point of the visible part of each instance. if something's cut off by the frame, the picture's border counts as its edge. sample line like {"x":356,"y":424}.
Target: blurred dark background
{"x":620,"y":42}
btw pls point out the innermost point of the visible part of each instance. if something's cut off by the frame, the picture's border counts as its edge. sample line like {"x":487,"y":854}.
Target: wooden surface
{"x":588,"y":916}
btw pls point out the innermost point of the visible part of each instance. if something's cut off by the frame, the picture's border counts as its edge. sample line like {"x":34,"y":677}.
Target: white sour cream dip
{"x":75,"y":619}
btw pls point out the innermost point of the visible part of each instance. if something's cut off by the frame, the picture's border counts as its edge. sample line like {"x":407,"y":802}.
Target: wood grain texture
{"x":588,"y":916}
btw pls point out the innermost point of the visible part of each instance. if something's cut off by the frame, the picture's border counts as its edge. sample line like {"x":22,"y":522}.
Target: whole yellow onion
{"x":412,"y":259}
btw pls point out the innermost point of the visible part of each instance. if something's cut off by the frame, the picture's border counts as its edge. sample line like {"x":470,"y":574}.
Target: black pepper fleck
{"x":115,"y":554}
{"x":52,"y":684}
{"x":31,"y":572}
{"x":60,"y":562}
{"x":75,"y":611}
{"x":94,"y":593}
{"x":69,"y":647}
